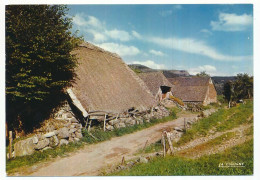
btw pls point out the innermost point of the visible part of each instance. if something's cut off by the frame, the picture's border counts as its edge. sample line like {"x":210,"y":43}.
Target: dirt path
{"x":92,"y":159}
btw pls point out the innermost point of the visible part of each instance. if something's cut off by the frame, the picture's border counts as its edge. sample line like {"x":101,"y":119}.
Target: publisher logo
{"x":231,"y":164}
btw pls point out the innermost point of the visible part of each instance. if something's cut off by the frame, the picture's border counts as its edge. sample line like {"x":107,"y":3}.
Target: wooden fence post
{"x":10,"y":144}
{"x":184,"y":125}
{"x":105,"y":122}
{"x":163,"y":143}
{"x":169,"y":141}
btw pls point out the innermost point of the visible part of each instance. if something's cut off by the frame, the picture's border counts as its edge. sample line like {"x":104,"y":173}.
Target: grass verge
{"x":206,"y":165}
{"x":222,"y":120}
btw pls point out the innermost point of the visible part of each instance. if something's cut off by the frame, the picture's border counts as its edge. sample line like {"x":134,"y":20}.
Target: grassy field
{"x":224,"y":119}
{"x":206,"y":165}
{"x":99,"y":134}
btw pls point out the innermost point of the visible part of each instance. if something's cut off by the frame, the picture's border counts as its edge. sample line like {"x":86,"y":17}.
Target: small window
{"x":165,"y":89}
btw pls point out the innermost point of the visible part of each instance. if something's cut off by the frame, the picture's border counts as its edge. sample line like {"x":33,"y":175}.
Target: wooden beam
{"x":77,"y":103}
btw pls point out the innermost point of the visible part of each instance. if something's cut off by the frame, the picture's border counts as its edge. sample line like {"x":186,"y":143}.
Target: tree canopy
{"x":203,"y":74}
{"x":241,"y":88}
{"x":39,"y":64}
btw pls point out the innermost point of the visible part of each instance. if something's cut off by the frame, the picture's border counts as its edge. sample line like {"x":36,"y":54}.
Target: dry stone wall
{"x":62,"y":129}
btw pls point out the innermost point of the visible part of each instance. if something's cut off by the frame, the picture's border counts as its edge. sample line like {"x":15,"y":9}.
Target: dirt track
{"x":90,"y":160}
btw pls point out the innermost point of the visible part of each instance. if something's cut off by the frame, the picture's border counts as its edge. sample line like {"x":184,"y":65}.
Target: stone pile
{"x":63,"y":129}
{"x":135,"y":116}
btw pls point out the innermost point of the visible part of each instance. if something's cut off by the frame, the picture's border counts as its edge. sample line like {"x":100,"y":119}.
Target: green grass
{"x":100,"y":135}
{"x":222,"y":120}
{"x":206,"y":165}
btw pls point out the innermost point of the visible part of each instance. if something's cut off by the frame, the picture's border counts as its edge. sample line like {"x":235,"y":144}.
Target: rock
{"x":63,"y":141}
{"x":54,"y":141}
{"x":46,"y":148}
{"x":76,"y":139}
{"x":120,"y":125}
{"x":50,"y":134}
{"x":73,"y":135}
{"x":79,"y":126}
{"x":63,"y":133}
{"x":189,"y":122}
{"x":72,"y":126}
{"x":143,"y":160}
{"x":35,"y":139}
{"x":78,"y":135}
{"x":113,"y":122}
{"x":147,"y":120}
{"x":24,"y":147}
{"x":71,"y":139}
{"x":73,"y":120}
{"x":56,"y":132}
{"x":72,"y":130}
{"x":133,"y":122}
{"x":178,"y":129}
{"x":42,"y":144}
{"x":69,"y":115}
{"x":109,"y":127}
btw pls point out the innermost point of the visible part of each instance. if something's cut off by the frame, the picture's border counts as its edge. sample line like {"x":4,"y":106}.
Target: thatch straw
{"x":106,"y":83}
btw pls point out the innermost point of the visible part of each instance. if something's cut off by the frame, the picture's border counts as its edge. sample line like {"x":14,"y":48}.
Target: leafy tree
{"x":229,"y":91}
{"x":241,"y":88}
{"x":244,"y":86}
{"x":39,"y":64}
{"x":202,"y":74}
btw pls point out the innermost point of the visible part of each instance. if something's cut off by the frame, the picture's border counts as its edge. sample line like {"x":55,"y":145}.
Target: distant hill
{"x":219,"y":82}
{"x":167,"y":73}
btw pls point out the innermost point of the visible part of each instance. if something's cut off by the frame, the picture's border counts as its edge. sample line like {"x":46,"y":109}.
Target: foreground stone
{"x":24,"y":147}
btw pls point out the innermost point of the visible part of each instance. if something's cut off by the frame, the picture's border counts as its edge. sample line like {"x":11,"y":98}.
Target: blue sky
{"x":217,"y":39}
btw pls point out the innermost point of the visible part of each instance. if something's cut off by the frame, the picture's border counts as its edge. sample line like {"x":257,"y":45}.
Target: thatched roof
{"x":190,"y":88}
{"x":106,"y":83}
{"x":154,"y":80}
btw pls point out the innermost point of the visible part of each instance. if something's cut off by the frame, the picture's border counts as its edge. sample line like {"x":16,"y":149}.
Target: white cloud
{"x":136,"y":35}
{"x":98,"y":30}
{"x":195,"y":47}
{"x":120,"y":49}
{"x":206,"y":31}
{"x":208,"y":68}
{"x":150,"y":64}
{"x":157,"y":53}
{"x":177,"y":6}
{"x":165,"y":13}
{"x":232,"y":22}
{"x":118,"y":35}
{"x":81,"y":19}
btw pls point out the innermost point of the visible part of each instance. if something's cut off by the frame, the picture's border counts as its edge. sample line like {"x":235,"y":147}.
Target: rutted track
{"x":93,"y":158}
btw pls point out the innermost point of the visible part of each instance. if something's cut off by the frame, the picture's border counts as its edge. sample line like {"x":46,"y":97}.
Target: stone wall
{"x":137,"y":117}
{"x":59,"y":130}
{"x":63,"y":128}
